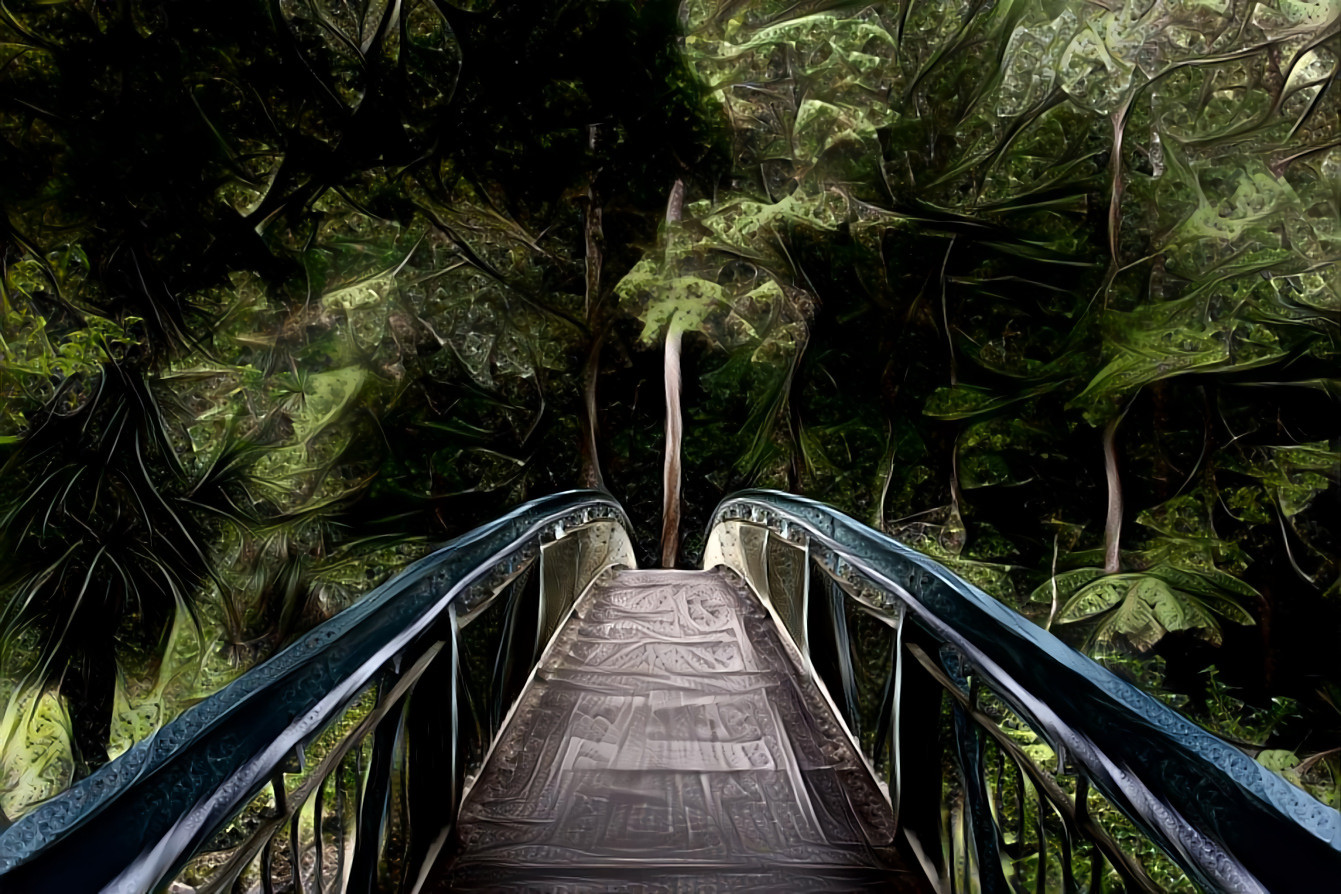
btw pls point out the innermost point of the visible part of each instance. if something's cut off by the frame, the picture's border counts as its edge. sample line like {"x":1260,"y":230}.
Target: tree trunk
{"x":670,"y":510}
{"x":92,"y":679}
{"x":595,"y":235}
{"x":1113,"y":525}
{"x":591,"y":458}
{"x":670,"y":488}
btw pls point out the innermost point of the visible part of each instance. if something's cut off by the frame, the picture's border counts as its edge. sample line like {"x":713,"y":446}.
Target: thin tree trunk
{"x":93,"y":677}
{"x":591,"y":458}
{"x":1118,"y":121}
{"x":945,"y":315}
{"x":670,"y":506}
{"x":1113,"y":525}
{"x":670,"y":510}
{"x":594,"y":236}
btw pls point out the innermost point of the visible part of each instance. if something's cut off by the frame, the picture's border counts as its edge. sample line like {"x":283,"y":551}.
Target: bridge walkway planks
{"x":670,"y":743}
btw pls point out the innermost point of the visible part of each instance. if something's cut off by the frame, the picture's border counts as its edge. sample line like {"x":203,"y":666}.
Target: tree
{"x":1016,"y":281}
{"x":316,"y":307}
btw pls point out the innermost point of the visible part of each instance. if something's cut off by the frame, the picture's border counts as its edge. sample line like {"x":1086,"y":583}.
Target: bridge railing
{"x":1013,"y":762}
{"x":340,"y":763}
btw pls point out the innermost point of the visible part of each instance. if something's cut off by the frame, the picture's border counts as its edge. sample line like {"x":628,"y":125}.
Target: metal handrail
{"x":133,"y":824}
{"x":1231,"y":824}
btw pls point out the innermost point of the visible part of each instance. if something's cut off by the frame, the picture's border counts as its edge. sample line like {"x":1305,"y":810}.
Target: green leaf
{"x":1093,"y":599}
{"x":35,"y":749}
{"x":325,"y":397}
{"x":1066,"y":584}
{"x":1175,"y":610}
{"x":683,"y":304}
{"x":1142,"y":608}
{"x":967,"y":401}
{"x":1205,"y":581}
{"x":1135,"y":619}
{"x":1278,"y":760}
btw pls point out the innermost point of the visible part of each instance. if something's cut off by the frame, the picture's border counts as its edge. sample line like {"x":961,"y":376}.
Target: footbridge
{"x":820,"y":708}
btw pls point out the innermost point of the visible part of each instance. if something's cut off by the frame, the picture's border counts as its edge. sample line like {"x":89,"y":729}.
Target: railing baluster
{"x":982,"y":828}
{"x":962,"y":841}
{"x":895,"y":739}
{"x":396,"y":830}
{"x":348,"y":811}
{"x":954,"y":876}
{"x":373,"y":807}
{"x":1040,"y":825}
{"x":318,"y":845}
{"x":997,"y":803}
{"x":295,"y":851}
{"x":429,"y":805}
{"x":457,"y":767}
{"x":1096,"y":724}
{"x":846,"y":673}
{"x":1082,"y":798}
{"x":1133,"y":874}
{"x":268,"y":852}
{"x":803,"y":610}
{"x":503,"y":660}
{"x":1022,"y":805}
{"x":268,"y":867}
{"x":1068,"y":871}
{"x":1082,"y":819}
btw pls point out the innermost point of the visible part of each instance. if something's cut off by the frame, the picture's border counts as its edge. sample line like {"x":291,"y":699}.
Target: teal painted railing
{"x":889,"y":630}
{"x":427,"y":664}
{"x":339,"y":764}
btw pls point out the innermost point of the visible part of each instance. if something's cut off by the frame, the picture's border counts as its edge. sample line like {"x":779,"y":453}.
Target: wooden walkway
{"x":670,"y":743}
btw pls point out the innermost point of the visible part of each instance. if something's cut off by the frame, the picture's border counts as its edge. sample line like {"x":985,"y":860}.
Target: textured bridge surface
{"x":669,"y":743}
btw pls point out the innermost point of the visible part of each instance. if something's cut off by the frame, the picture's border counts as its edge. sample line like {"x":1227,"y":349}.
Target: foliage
{"x":291,"y":288}
{"x":283,"y":298}
{"x":1143,"y":607}
{"x":1320,"y":774}
{"x":1011,"y":225}
{"x":35,"y":733}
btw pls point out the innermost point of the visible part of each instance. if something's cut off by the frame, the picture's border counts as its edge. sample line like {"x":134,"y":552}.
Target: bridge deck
{"x":669,"y":743}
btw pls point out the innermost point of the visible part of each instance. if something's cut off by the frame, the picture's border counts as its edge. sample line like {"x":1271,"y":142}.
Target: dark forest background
{"x":293,"y":289}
